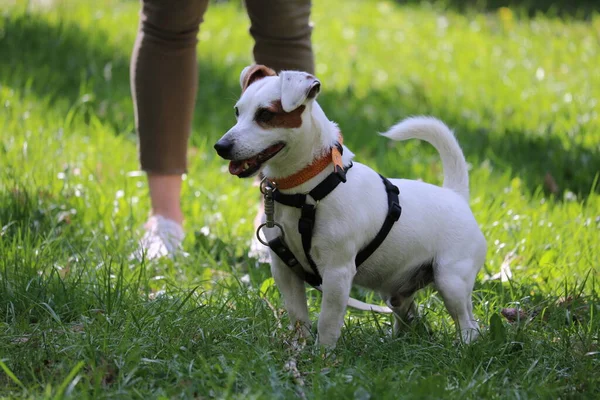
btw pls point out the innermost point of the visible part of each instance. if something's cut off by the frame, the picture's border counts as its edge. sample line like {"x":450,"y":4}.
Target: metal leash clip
{"x":267,"y":188}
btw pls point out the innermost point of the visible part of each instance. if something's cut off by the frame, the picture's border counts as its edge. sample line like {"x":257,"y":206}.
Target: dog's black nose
{"x":223,"y":148}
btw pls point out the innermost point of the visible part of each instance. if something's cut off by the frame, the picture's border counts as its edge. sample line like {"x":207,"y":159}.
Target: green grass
{"x":78,"y":318}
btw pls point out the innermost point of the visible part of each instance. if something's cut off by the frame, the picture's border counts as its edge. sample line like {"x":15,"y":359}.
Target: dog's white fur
{"x":436,"y":223}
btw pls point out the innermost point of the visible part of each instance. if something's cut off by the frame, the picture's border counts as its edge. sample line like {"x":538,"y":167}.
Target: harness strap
{"x":280,"y":248}
{"x":318,"y":193}
{"x":306,"y":224}
{"x":393,"y":215}
{"x":307,"y":221}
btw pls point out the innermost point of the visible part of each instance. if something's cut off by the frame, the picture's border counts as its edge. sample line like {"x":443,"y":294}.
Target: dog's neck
{"x":324,"y":134}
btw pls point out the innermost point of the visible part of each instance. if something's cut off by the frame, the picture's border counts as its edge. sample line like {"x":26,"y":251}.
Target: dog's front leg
{"x":293,"y":292}
{"x":337,"y":282}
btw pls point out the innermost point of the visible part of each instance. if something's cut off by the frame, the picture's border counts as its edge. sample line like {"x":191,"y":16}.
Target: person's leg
{"x":282,"y":33}
{"x":164,"y":82}
{"x":165,"y":193}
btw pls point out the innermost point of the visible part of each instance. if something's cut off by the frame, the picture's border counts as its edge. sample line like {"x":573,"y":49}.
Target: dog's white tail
{"x":434,"y":131}
{"x":362,"y":306}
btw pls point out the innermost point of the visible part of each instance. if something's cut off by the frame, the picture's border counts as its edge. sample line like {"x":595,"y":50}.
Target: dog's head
{"x":271,"y":113}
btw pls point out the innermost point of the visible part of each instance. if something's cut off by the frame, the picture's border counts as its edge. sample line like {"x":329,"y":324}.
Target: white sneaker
{"x":259,"y":251}
{"x":163,"y":237}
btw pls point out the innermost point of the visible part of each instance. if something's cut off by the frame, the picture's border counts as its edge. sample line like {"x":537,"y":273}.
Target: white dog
{"x":282,"y":131}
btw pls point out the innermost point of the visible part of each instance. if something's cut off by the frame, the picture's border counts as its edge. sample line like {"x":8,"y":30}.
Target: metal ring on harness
{"x":266,"y":182}
{"x":265,"y":225}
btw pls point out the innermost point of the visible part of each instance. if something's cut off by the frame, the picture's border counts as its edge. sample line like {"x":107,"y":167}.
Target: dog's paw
{"x":300,"y":332}
{"x":417,"y":325}
{"x":303,"y":331}
{"x":469,"y":335}
{"x":326,"y":343}
{"x":326,"y":353}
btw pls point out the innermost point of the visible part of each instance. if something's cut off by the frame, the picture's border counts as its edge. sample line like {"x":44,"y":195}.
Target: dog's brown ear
{"x":296,"y":88}
{"x":252,"y":73}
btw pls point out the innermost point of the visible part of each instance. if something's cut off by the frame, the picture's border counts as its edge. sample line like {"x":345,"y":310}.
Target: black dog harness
{"x":307,"y":222}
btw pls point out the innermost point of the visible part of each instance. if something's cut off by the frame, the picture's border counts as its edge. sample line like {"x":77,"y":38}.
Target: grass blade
{"x":63,"y":386}
{"x":11,"y":375}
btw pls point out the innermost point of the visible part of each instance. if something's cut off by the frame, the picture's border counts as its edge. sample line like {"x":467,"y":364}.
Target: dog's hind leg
{"x":404,"y":310}
{"x":402,"y":302}
{"x":454,"y":282}
{"x":294,"y":294}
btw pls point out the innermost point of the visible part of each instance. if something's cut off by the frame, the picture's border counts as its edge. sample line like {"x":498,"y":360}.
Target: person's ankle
{"x":174,"y":215}
{"x":165,"y":196}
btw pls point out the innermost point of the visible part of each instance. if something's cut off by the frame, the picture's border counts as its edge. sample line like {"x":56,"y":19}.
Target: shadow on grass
{"x":63,"y":64}
{"x":579,"y":9}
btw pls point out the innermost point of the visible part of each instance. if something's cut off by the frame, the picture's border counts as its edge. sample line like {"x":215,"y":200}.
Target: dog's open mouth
{"x":248,"y":167}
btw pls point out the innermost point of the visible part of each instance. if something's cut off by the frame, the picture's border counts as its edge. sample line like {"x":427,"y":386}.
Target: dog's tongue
{"x":237,"y":167}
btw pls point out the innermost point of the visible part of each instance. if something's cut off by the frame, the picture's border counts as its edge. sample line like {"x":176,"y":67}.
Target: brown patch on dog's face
{"x":255,"y":73}
{"x":274,"y":117}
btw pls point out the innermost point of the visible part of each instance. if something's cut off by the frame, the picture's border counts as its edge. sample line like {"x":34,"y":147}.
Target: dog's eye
{"x":264,"y":115}
{"x":237,"y":112}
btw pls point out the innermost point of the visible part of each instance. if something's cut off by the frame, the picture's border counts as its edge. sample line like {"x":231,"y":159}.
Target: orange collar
{"x":312,"y":170}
